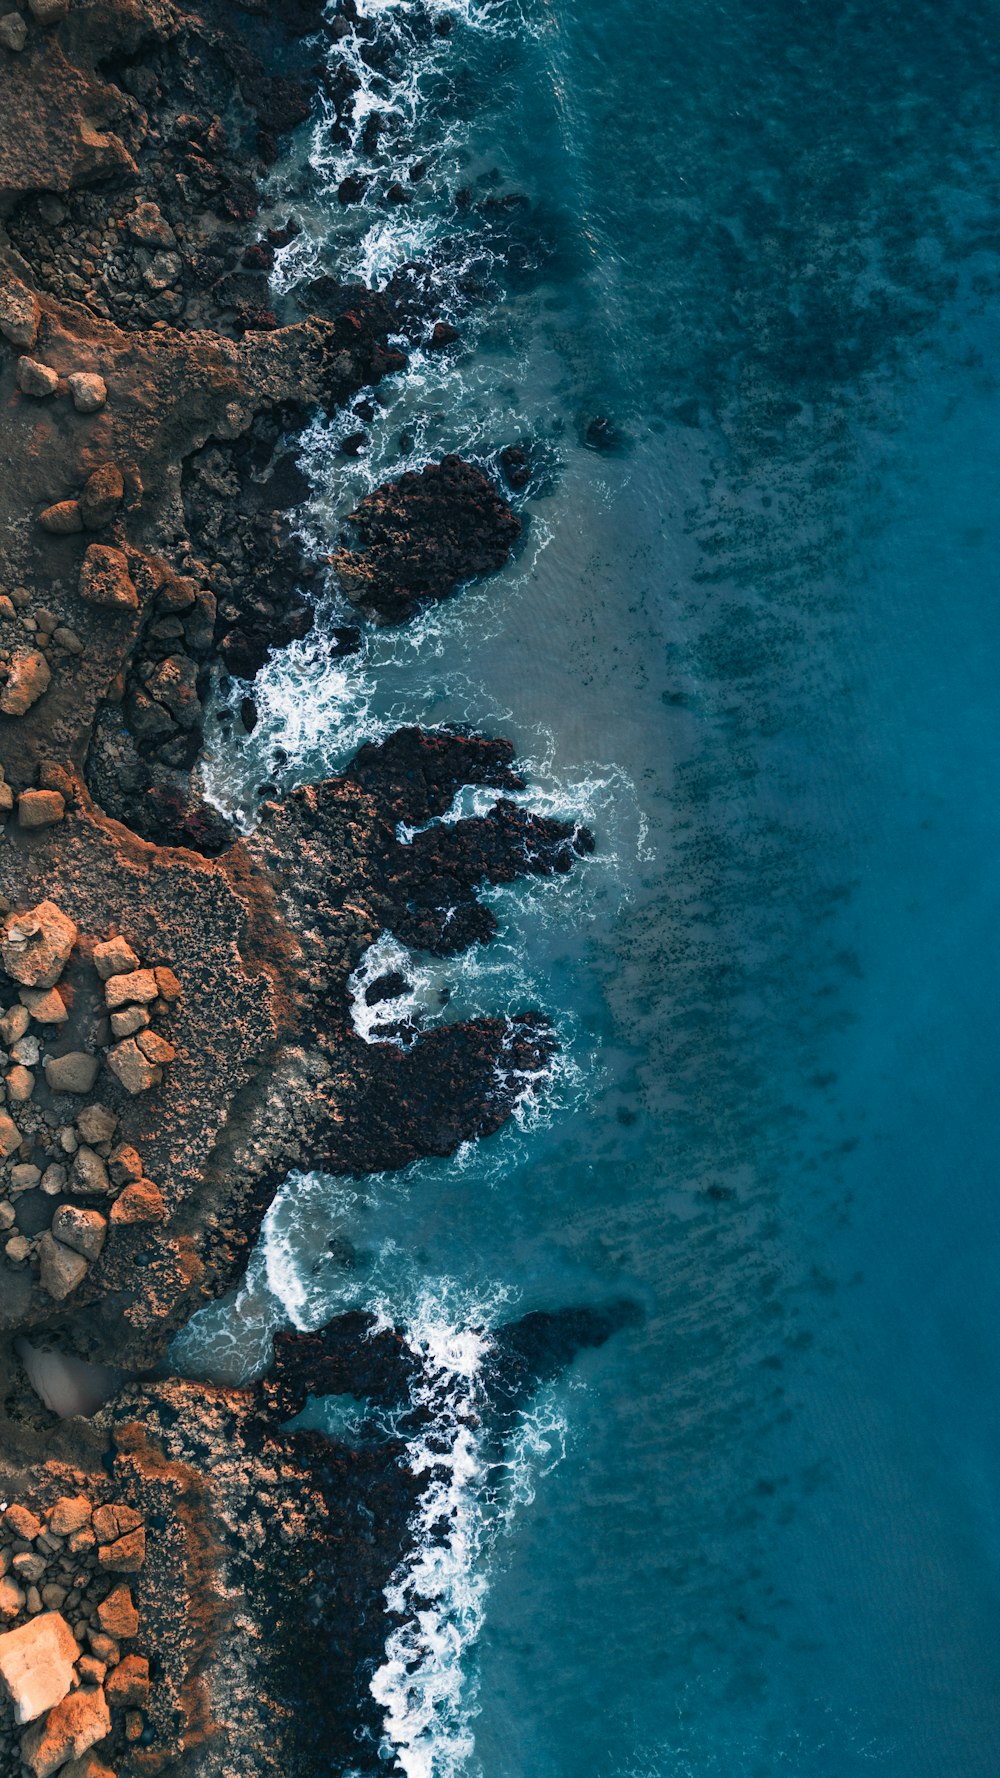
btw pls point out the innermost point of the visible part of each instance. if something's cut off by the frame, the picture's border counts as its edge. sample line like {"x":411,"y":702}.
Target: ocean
{"x":731,"y":276}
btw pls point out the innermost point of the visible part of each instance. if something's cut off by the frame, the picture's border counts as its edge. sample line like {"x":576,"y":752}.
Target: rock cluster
{"x":61,"y":1184}
{"x":32,"y":644}
{"x":138,"y":1057}
{"x":417,"y":539}
{"x":67,"y":1685}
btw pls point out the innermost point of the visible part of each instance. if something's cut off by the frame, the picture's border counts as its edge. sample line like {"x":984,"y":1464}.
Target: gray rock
{"x":19,"y":312}
{"x":88,"y":1174}
{"x":60,"y":1269}
{"x":89,"y":391}
{"x":72,"y":1073}
{"x":13,"y":32}
{"x":84,"y":1231}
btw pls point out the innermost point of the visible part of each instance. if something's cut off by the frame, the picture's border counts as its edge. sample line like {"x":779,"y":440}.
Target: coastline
{"x":176,"y":996}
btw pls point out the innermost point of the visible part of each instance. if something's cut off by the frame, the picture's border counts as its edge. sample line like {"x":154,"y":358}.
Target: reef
{"x":175,"y":1021}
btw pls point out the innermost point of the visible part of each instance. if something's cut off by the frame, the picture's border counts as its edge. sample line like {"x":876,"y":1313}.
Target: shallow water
{"x":756,"y":646}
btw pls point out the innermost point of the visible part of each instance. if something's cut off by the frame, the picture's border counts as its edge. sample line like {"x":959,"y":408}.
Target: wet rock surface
{"x":417,"y":539}
{"x":307,"y":1531}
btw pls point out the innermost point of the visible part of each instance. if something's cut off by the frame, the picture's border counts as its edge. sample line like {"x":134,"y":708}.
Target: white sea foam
{"x":317,"y":709}
{"x":426,"y":1684}
{"x":471,"y":1489}
{"x":366,"y":241}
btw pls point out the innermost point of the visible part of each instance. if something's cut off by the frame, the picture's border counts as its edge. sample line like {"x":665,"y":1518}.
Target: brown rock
{"x":39,"y":808}
{"x":91,"y":1671}
{"x":117,"y":1615}
{"x":114,"y":957}
{"x":62,"y":519}
{"x":36,"y":945}
{"x":129,"y":1065}
{"x":27,"y":678}
{"x":11,"y":1599}
{"x":155,"y":1048}
{"x":75,"y":1072}
{"x":36,"y":1665}
{"x":124,"y":1164}
{"x":48,"y":12}
{"x":46,"y":1005}
{"x":103,"y":493}
{"x":170,"y":988}
{"x":61,"y":1271}
{"x":36,"y":379}
{"x":50,"y":775}
{"x":126,"y":1556}
{"x":68,"y":1514}
{"x":21,"y":1522}
{"x":85,"y":1231}
{"x":115,"y":1520}
{"x":128,"y":1686}
{"x":74,"y":1726}
{"x":127,"y":1023}
{"x":105,"y":579}
{"x":20,"y":1084}
{"x":138,"y":987}
{"x":104,"y":1648}
{"x":19,"y":311}
{"x":148,"y":225}
{"x":89,"y":391}
{"x":10,"y":1136}
{"x":15,"y":1022}
{"x":141,"y":1201}
{"x":90,"y":1766}
{"x":96,"y":1123}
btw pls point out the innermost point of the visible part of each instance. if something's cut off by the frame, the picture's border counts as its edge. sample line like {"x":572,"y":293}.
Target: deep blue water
{"x":757,"y":643}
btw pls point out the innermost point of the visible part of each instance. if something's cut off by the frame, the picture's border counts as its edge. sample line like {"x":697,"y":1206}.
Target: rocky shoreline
{"x":184,"y":1587}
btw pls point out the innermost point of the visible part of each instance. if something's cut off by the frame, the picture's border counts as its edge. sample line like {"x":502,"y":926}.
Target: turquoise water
{"x":757,"y":643}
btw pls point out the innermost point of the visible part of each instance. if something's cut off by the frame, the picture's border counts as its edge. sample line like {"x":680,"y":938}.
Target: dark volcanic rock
{"x":419,"y":538}
{"x":308,"y":1531}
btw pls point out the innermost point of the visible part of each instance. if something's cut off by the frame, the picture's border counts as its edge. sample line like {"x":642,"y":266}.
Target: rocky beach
{"x":188,"y":1585}
{"x":498,"y":751}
